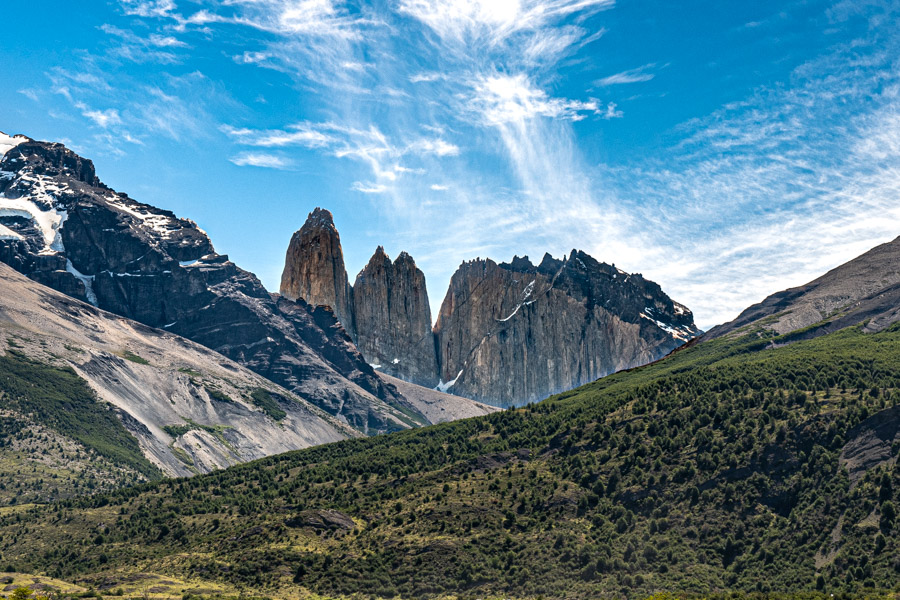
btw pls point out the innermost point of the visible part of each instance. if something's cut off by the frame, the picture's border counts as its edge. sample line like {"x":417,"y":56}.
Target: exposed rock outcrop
{"x":314,"y":268}
{"x":512,"y":333}
{"x":393,"y":319}
{"x":507,"y":334}
{"x":64,"y":228}
{"x":191,"y":409}
{"x":863,"y":290}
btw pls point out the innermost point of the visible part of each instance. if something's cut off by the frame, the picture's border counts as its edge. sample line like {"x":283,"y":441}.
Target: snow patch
{"x":526,"y":294}
{"x":443,"y":387}
{"x":188,"y":263}
{"x":8,"y":234}
{"x":8,"y":142}
{"x":48,"y":221}
{"x":675,"y":332}
{"x":374,"y":366}
{"x":396,"y":361}
{"x":87,"y":280}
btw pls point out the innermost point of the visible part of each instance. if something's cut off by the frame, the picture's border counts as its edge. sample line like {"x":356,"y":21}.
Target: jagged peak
{"x":320,"y":218}
{"x":519,"y":263}
{"x":405,"y":257}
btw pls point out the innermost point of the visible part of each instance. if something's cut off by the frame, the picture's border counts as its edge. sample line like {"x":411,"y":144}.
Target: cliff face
{"x":314,"y":268}
{"x":507,"y":334}
{"x":393,"y":319}
{"x":62,"y":227}
{"x":514,"y":333}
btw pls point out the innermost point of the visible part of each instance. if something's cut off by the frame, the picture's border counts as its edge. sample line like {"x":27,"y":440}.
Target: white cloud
{"x":436,"y":146}
{"x":148,"y":8}
{"x":493,"y":21}
{"x":369,"y":188}
{"x":500,"y":99}
{"x":612,"y":112}
{"x":298,"y":134}
{"x":439,"y":188}
{"x":369,"y":146}
{"x":101,"y":118}
{"x":260,"y":159}
{"x":631,"y":76}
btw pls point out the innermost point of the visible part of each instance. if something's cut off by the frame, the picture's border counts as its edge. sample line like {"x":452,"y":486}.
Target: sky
{"x":726,"y":150}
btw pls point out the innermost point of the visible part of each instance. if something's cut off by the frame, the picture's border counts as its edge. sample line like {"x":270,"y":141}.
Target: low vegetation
{"x":717,"y":469}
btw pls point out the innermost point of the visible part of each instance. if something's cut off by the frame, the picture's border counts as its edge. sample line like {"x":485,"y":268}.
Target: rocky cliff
{"x":393,"y":319}
{"x":508,"y":333}
{"x":512,"y":333}
{"x":314,"y":268}
{"x":61,"y":226}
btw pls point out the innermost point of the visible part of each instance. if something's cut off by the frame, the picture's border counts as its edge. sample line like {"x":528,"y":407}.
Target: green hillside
{"x":56,"y":439}
{"x":717,"y":469}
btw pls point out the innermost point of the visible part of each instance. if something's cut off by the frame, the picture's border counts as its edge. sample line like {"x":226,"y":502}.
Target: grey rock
{"x":513,"y":333}
{"x":393,"y":319}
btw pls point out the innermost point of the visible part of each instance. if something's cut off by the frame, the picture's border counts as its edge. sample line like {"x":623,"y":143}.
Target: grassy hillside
{"x":56,"y":438}
{"x":720,"y":468}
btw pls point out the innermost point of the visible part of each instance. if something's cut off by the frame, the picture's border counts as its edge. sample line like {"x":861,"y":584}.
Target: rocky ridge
{"x":507,"y":334}
{"x":191,"y":409}
{"x":393,"y":319}
{"x":62,"y":227}
{"x":865,"y":290}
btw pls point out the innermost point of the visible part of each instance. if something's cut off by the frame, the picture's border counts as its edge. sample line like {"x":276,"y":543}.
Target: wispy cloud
{"x":370,"y":146}
{"x":261,"y":159}
{"x":631,"y":76}
{"x":369,"y":188}
{"x":154,"y":47}
{"x":511,"y":98}
{"x":494,"y":21}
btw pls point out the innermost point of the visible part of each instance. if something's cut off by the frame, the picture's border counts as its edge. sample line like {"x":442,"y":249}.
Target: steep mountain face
{"x":62,"y":227}
{"x":393,"y":319}
{"x":515,"y":332}
{"x":314,"y":268}
{"x":507,"y":334}
{"x":865,"y":289}
{"x":187,"y":409}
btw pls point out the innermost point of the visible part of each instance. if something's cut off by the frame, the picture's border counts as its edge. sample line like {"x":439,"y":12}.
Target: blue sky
{"x":724,"y":149}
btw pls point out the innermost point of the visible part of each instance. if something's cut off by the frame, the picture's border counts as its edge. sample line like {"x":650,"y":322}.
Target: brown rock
{"x":314,"y":268}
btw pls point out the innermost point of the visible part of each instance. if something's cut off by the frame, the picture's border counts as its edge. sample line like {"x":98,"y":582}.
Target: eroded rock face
{"x":314,"y":268}
{"x":393,"y":319}
{"x":507,"y":334}
{"x":513,"y":333}
{"x":63,"y":228}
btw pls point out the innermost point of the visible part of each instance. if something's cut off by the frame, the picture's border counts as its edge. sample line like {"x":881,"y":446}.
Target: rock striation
{"x":190,"y":409}
{"x":62,"y":227}
{"x":507,"y":334}
{"x":393,"y":319}
{"x":513,"y":333}
{"x":314,"y":268}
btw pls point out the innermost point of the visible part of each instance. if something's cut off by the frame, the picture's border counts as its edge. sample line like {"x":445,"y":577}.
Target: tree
{"x":21,"y":593}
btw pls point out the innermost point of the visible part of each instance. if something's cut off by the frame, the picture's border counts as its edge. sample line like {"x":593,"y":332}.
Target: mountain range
{"x":756,"y":459}
{"x":753,"y":462}
{"x":507,"y":334}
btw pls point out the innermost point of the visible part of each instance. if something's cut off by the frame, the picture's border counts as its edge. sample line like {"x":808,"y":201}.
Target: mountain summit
{"x":314,"y":267}
{"x":62,"y":227}
{"x":507,"y":334}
